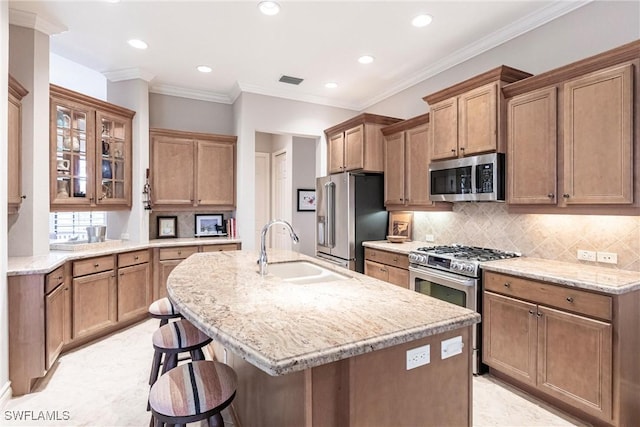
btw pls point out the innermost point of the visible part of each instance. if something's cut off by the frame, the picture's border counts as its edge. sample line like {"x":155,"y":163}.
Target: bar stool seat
{"x":173,"y":338}
{"x":192,"y":392}
{"x":164,"y":310}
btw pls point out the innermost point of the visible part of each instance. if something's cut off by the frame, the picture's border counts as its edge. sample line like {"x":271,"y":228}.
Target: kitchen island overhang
{"x":324,"y":340}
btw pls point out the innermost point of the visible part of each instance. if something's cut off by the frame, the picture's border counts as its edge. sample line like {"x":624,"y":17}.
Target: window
{"x":64,"y":226}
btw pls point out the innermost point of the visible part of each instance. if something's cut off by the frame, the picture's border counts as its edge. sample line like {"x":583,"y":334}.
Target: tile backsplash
{"x":543,"y":236}
{"x":186,"y":223}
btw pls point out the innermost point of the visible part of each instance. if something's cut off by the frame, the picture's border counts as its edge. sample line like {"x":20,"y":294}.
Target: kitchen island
{"x":329,"y":353}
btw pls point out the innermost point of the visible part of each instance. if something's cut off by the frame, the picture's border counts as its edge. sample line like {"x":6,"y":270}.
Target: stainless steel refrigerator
{"x":349,"y":210}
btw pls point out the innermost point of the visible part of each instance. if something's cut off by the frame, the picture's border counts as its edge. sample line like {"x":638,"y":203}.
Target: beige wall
{"x":544,"y":236}
{"x":172,"y":112}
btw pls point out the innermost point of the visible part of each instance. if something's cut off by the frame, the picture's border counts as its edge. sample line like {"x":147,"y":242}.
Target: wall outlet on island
{"x":418,"y":356}
{"x":586,"y":255}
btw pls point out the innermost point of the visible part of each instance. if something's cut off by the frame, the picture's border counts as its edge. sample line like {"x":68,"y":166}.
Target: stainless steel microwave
{"x":474,"y":178}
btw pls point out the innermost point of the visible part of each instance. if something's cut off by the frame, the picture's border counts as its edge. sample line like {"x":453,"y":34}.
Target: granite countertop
{"x":45,"y":263}
{"x":281,"y":327}
{"x":594,"y":278}
{"x":399,"y":248}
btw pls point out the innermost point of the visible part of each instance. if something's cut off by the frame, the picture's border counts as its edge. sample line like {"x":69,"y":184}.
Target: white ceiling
{"x":318,"y":41}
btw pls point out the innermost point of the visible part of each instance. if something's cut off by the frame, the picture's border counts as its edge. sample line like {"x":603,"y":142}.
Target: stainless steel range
{"x":452,"y":273}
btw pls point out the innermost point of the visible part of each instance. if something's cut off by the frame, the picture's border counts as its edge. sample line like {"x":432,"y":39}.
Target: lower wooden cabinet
{"x":134,"y":291}
{"x":57,"y":308}
{"x":94,"y":303}
{"x":388,"y":266}
{"x":558,"y":342}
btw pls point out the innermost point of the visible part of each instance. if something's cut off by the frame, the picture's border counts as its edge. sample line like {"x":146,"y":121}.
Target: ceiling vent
{"x":291,"y":80}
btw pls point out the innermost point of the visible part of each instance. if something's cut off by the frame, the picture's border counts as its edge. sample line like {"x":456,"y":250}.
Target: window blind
{"x":68,"y":225}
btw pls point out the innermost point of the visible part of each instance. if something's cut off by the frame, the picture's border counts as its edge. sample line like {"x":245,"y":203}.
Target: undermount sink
{"x":304,"y":272}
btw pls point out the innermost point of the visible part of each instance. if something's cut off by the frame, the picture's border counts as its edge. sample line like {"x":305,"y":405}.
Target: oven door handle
{"x":445,"y":279}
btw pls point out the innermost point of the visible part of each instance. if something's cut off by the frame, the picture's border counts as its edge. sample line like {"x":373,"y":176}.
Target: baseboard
{"x":5,"y":394}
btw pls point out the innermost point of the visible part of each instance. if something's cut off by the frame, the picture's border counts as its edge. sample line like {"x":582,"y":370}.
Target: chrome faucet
{"x":262,"y":261}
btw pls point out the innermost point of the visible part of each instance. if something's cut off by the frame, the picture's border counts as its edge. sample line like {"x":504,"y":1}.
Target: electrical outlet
{"x":418,"y":356}
{"x":124,"y":236}
{"x":607,"y":257}
{"x":586,"y":255}
{"x":429,"y":238}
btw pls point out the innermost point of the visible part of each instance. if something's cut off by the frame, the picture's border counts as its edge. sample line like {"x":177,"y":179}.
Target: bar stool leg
{"x":170,"y":362}
{"x":155,"y":367}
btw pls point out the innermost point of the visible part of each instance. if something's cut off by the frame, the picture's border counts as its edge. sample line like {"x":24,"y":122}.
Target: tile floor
{"x":105,"y":384}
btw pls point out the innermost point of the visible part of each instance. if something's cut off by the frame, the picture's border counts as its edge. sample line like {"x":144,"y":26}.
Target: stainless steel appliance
{"x":349,"y":210}
{"x":475,"y":178}
{"x":453,"y":274}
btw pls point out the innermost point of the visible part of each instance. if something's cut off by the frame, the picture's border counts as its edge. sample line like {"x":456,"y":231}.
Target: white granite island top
{"x":281,"y":327}
{"x":600,"y":279}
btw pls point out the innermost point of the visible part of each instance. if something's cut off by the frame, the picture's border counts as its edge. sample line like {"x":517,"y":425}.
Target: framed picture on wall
{"x":167,"y":226}
{"x":306,"y":200}
{"x":209,"y":225}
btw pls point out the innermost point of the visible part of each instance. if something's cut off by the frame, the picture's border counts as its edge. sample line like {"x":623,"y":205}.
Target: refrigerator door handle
{"x":331,"y":214}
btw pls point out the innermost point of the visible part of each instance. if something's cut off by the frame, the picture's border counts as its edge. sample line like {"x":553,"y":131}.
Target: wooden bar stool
{"x":174,"y":338}
{"x":192,"y":392}
{"x":164,"y":310}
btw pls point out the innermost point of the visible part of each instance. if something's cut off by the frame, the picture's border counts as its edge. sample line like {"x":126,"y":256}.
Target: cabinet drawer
{"x":570,"y":299}
{"x":217,"y":248}
{"x":133,"y":258}
{"x":181,"y":252}
{"x":93,"y":265}
{"x":389,"y":258}
{"x":53,"y":279}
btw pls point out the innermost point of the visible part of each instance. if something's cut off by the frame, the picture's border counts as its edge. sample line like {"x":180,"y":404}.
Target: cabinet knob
{"x":24,"y":196}
{"x":566,"y":196}
{"x":121,"y":274}
{"x":507,"y":285}
{"x":551,"y":195}
{"x":179,"y":252}
{"x":531,"y":312}
{"x":59,"y":277}
{"x":462,"y":148}
{"x":539,"y":314}
{"x":453,"y":150}
{"x":570,"y":299}
{"x":395,"y":259}
{"x":136,"y":257}
{"x":96,"y":265}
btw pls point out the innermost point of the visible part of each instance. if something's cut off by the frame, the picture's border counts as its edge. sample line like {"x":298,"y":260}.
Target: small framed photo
{"x":306,"y":200}
{"x":209,"y":225}
{"x":400,"y":224}
{"x":167,"y":226}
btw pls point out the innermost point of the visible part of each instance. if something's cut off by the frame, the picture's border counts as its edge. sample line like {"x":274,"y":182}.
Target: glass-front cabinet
{"x":90,"y":153}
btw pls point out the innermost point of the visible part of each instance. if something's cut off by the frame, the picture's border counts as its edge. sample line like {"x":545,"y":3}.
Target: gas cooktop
{"x":456,"y":258}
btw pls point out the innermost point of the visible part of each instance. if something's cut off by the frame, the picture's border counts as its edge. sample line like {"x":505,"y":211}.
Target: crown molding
{"x":129,"y":74}
{"x":295,"y":96}
{"x":25,"y":19}
{"x":511,"y":31}
{"x":201,"y":95}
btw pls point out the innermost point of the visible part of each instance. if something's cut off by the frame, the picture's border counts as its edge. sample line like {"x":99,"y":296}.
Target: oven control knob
{"x":455,"y":266}
{"x":469,"y":268}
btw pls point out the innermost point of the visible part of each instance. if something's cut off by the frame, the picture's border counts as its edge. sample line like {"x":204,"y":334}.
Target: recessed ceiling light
{"x":204,"y":68}
{"x":365,"y":59}
{"x":269,"y":7}
{"x":421,"y":21}
{"x":138,"y":44}
{"x":331,"y":85}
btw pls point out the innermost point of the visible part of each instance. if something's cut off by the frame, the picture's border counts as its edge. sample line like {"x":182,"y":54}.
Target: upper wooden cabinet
{"x":357,"y":144}
{"x":406,"y":165}
{"x":14,"y":146}
{"x":90,"y":152}
{"x":571,"y":137}
{"x":192,"y":170}
{"x":468,"y":118}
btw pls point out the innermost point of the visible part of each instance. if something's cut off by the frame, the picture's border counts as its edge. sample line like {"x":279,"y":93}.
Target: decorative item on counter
{"x":231,"y":228}
{"x":146,"y":193}
{"x":209,"y":225}
{"x":396,"y":239}
{"x":167,"y":226}
{"x":306,"y":200}
{"x":400,"y":224}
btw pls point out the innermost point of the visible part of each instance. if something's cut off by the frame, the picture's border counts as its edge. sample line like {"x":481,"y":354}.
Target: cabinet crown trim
{"x":60,"y":92}
{"x":406,"y":124}
{"x":624,"y":53}
{"x":16,"y":89}
{"x":361,"y":119}
{"x":191,"y":135}
{"x":502,"y":73}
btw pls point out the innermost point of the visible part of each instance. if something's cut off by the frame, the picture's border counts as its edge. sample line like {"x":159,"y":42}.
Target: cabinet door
{"x":94,"y":303}
{"x":574,"y":360}
{"x":14,"y":156}
{"x":215,"y":179}
{"x":394,"y":172}
{"x":166,"y":267}
{"x":598,"y":145}
{"x":57,"y":318}
{"x":134,"y":291}
{"x":398,"y":276}
{"x":443,"y":125}
{"x":417,"y":166}
{"x":376,"y":270}
{"x":510,"y":336}
{"x":336,"y":153}
{"x":172,"y":171}
{"x":113,"y":176}
{"x":72,"y":133}
{"x":478,"y":115}
{"x":354,"y":148}
{"x":532,"y":145}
